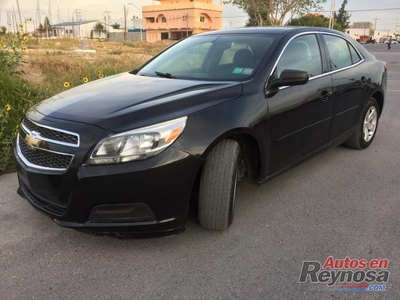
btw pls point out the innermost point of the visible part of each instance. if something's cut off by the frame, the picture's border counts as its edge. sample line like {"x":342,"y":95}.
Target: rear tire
{"x":366,"y":127}
{"x":218,"y":186}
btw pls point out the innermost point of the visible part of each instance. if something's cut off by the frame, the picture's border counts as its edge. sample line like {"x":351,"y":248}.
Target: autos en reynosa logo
{"x":347,"y":273}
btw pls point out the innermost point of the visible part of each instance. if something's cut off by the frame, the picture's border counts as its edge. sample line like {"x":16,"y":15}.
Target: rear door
{"x":350,"y":79}
{"x":300,"y":116}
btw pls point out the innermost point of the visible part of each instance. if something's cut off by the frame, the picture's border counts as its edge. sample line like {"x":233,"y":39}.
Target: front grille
{"x":44,"y":158}
{"x":51,"y":134}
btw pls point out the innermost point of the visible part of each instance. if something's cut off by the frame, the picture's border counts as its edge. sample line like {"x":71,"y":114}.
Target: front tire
{"x":218,"y":186}
{"x":366,"y":127}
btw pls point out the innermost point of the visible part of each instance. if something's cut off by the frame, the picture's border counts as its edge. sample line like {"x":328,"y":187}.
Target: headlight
{"x":137,"y":144}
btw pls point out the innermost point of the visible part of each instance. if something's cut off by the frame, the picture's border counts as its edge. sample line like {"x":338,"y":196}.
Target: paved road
{"x":341,"y":203}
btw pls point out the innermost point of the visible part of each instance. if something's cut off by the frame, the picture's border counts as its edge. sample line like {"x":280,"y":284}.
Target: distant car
{"x":392,"y":42}
{"x":124,"y":153}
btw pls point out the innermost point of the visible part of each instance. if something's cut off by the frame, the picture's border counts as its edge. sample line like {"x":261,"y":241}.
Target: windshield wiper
{"x":165,"y":75}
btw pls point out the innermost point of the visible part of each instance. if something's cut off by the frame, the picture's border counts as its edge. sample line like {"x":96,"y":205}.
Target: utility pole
{"x":38,"y":13}
{"x":78,"y":15}
{"x":15,"y":21}
{"x":125,"y":23}
{"x":376,"y":19}
{"x":9,"y":21}
{"x":107,"y":17}
{"x":19,"y":13}
{"x":187,"y":24}
{"x":141,"y":20}
{"x":331,"y":15}
{"x":50,"y":18}
{"x":78,"y":19}
{"x":186,"y":18}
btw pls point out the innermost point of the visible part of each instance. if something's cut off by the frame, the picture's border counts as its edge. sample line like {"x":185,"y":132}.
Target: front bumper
{"x":142,"y":197}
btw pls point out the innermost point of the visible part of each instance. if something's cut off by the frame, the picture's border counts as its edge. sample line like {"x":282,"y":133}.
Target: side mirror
{"x":290,"y":77}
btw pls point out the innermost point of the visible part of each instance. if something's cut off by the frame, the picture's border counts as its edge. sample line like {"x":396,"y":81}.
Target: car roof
{"x":271,"y":30}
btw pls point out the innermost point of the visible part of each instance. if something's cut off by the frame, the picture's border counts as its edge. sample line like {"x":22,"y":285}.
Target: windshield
{"x":211,"y":57}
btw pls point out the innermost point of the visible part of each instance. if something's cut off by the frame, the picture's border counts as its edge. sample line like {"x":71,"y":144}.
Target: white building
{"x":76,"y":29}
{"x":361,"y":31}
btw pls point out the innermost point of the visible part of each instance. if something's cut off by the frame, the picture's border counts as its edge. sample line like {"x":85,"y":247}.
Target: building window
{"x":201,"y":19}
{"x":164,"y":36}
{"x":163,"y":20}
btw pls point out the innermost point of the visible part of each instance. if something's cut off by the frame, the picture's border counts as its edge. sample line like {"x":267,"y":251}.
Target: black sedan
{"x":125,"y":153}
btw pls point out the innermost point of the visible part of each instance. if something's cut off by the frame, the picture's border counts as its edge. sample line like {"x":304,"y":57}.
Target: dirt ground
{"x":44,"y":51}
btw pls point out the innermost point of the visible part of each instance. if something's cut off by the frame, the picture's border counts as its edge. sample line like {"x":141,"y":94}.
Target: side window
{"x":355,"y":58}
{"x":339,"y":53}
{"x":303,"y":54}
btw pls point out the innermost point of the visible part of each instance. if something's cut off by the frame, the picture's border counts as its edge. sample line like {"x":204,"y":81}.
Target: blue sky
{"x":361,"y":10}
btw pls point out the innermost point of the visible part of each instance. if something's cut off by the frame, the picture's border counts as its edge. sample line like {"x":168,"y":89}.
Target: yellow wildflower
{"x":8,"y":107}
{"x":101,"y":75}
{"x":66,"y":84}
{"x":85,"y":79}
{"x":25,"y":38}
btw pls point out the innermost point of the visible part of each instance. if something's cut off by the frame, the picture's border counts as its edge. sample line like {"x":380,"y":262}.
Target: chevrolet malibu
{"x":124,"y":153}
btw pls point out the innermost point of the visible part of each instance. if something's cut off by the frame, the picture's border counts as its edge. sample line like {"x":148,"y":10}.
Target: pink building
{"x":177,"y":19}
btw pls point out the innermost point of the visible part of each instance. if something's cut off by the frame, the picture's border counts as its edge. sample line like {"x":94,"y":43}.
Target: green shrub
{"x":16,"y":97}
{"x":10,"y":47}
{"x":115,"y":52}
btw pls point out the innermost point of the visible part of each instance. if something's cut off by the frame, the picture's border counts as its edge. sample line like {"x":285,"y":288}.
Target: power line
{"x":362,"y":10}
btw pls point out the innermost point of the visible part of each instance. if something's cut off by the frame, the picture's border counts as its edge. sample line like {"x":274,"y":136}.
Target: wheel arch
{"x":378,"y":96}
{"x":250,"y":148}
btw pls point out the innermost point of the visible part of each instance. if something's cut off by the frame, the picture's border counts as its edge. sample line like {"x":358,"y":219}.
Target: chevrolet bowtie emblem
{"x":32,"y":139}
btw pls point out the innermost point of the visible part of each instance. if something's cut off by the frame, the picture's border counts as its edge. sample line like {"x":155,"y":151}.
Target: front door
{"x":300,"y":116}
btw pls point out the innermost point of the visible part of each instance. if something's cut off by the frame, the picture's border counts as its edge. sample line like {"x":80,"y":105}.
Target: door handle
{"x":325,"y":95}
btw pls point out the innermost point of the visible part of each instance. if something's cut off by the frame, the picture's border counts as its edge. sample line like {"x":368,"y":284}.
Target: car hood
{"x":126,"y":101}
